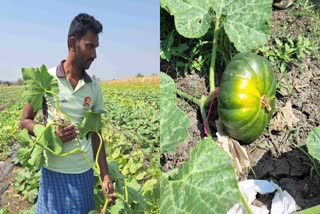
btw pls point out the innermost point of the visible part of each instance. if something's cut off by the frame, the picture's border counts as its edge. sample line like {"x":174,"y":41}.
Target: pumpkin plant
{"x":247,"y":31}
{"x":246,"y":96}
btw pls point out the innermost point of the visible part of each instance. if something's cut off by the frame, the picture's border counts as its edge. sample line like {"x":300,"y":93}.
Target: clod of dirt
{"x":192,"y":84}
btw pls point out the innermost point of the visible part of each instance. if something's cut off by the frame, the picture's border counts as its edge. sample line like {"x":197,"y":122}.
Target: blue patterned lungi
{"x":65,"y":193}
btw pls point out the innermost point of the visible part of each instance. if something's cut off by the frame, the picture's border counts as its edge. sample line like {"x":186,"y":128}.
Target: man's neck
{"x":72,"y":70}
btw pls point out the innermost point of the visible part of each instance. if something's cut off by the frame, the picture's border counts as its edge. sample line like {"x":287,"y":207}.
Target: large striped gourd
{"x":246,"y":98}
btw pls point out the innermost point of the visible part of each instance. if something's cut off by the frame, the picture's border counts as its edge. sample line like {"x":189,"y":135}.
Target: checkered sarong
{"x":65,"y":193}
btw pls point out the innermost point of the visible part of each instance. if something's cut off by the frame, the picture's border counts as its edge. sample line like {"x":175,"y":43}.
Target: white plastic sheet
{"x":282,"y":203}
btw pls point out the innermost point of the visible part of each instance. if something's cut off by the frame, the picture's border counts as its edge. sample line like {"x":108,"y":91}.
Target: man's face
{"x":86,"y":50}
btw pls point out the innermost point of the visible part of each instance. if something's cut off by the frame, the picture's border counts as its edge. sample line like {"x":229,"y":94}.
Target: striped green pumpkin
{"x":246,"y":97}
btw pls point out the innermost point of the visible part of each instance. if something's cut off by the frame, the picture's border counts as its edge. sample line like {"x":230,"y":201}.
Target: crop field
{"x":239,"y":100}
{"x":131,"y":132}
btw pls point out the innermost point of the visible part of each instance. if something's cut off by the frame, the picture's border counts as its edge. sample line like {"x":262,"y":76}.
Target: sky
{"x":35,"y":32}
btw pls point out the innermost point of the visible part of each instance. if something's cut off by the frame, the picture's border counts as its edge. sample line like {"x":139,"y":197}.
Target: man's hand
{"x":67,"y":133}
{"x":108,"y":186}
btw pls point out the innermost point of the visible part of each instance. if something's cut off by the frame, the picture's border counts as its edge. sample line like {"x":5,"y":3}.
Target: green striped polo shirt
{"x":73,"y":102}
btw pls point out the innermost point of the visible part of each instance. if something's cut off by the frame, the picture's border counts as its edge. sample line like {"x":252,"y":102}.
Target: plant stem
{"x":105,"y":206}
{"x":214,"y":54}
{"x":245,"y":204}
{"x":204,"y":114}
{"x":58,"y":106}
{"x":207,"y":100}
{"x":189,"y":97}
{"x":126,"y":190}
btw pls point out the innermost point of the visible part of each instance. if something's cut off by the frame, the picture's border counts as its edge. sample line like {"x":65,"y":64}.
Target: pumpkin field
{"x":240,"y":101}
{"x":131,"y":135}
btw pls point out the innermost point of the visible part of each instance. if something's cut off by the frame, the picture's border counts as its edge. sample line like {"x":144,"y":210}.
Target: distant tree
{"x":140,"y":75}
{"x":155,"y":74}
{"x":20,"y":81}
{"x":1,"y":82}
{"x":7,"y":83}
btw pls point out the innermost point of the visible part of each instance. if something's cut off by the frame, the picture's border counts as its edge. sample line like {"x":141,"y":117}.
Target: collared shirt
{"x":86,"y":96}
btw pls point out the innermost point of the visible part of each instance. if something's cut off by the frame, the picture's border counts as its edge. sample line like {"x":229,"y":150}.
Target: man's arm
{"x":102,"y":161}
{"x":27,"y":117}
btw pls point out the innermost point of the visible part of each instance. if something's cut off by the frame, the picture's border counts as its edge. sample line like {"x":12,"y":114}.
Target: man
{"x":66,"y":183}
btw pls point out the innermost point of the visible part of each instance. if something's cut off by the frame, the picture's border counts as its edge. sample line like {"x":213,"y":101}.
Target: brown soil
{"x":11,"y":199}
{"x":274,"y":155}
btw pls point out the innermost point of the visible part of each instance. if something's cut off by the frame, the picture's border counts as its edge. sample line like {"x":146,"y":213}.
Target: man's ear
{"x":72,"y":42}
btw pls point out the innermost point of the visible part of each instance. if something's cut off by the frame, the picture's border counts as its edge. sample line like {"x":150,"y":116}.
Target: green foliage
{"x":27,"y":183}
{"x":132,"y":131}
{"x":187,"y":58}
{"x":288,"y":50}
{"x":10,"y":117}
{"x":173,"y":121}
{"x":37,"y":82}
{"x":245,"y":28}
{"x":4,"y":211}
{"x":90,"y":123}
{"x":313,"y":143}
{"x":131,"y":128}
{"x":206,"y":183}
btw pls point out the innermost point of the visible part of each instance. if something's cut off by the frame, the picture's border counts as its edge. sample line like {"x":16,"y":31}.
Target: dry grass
{"x":134,"y":80}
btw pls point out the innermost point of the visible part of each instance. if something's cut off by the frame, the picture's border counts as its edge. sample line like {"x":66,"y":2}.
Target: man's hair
{"x":81,"y":24}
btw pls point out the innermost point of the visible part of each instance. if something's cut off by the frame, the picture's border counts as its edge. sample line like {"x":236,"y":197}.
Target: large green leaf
{"x":52,"y":140}
{"x":173,"y":121}
{"x":313,"y":143}
{"x":245,"y":22}
{"x":24,"y":138}
{"x":206,"y":184}
{"x":90,"y":122}
{"x":37,"y":82}
{"x":37,"y":157}
{"x":23,"y":155}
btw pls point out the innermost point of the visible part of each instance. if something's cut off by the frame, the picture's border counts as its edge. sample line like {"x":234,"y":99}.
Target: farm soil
{"x":11,"y":199}
{"x":275,"y":155}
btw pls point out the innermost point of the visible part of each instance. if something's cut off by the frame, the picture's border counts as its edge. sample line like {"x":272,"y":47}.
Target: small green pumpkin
{"x":246,"y":97}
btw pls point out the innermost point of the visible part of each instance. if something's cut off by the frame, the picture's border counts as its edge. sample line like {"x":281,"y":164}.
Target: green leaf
{"x":4,"y":211}
{"x":52,"y":140}
{"x":23,"y":155}
{"x":37,"y":158}
{"x":24,"y":138}
{"x":246,"y":23}
{"x":114,"y":171}
{"x":141,"y":175}
{"x":37,"y":82}
{"x":90,"y":122}
{"x":206,"y":184}
{"x":115,"y":209}
{"x":32,"y":196}
{"x":133,"y":167}
{"x":149,"y":185}
{"x":192,"y":18}
{"x":174,"y":122}
{"x":313,"y":143}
